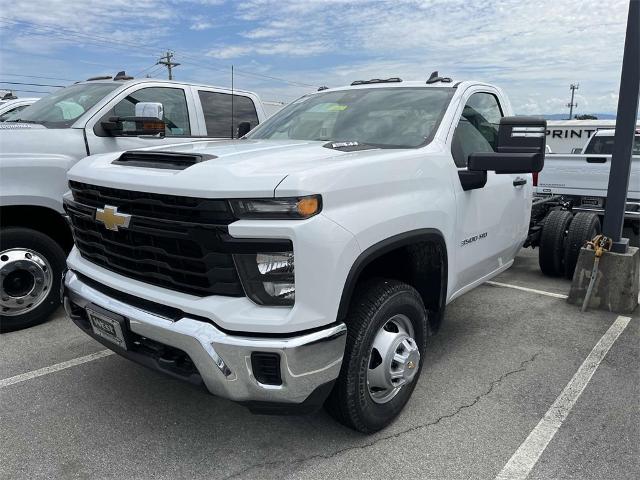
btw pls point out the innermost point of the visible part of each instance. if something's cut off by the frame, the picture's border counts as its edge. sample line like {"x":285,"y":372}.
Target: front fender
{"x":38,"y":180}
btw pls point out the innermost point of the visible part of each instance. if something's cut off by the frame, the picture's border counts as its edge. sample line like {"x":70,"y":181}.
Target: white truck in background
{"x":11,"y":105}
{"x":583,"y":178}
{"x":570,"y":136}
{"x":40,"y":143}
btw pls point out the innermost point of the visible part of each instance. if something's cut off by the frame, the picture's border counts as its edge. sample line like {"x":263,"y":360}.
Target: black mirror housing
{"x":148,"y":126}
{"x":521,"y":147}
{"x":243,"y":129}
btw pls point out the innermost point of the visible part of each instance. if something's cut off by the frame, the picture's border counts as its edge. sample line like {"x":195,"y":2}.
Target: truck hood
{"x":241,"y":168}
{"x":28,"y":138}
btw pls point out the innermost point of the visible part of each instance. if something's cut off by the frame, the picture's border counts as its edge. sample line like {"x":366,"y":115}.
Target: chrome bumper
{"x":223,"y":361}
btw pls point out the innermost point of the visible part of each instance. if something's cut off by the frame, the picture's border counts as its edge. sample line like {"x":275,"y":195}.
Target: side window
{"x":477,"y":130}
{"x":217,"y":113}
{"x":176,"y":113}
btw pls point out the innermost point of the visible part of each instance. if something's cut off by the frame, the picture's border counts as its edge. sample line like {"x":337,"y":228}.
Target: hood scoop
{"x":163,"y":160}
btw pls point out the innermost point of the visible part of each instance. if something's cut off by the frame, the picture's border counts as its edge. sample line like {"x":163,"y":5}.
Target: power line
{"x":57,"y":31}
{"x":32,"y":84}
{"x":28,"y":91}
{"x":37,"y":76}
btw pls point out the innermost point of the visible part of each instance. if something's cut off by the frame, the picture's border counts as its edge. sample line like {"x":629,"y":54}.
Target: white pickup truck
{"x":583,"y":178}
{"x":311,"y":260}
{"x":40,"y":143}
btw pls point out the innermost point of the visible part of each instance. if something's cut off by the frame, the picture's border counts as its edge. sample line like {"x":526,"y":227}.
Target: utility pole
{"x":625,"y":133}
{"x":573,"y":87}
{"x":167,"y":61}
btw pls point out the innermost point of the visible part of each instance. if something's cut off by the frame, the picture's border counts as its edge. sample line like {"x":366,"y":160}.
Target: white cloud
{"x":533,"y":49}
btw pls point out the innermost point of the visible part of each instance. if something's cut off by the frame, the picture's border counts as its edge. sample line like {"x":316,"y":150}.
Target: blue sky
{"x":533,"y":49}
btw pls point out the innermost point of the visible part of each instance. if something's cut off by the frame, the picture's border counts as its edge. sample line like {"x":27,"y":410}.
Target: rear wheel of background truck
{"x":584,"y":227}
{"x":31,"y":266}
{"x":552,"y":242}
{"x":387,"y":333}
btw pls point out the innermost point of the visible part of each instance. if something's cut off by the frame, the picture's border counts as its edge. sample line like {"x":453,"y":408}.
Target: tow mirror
{"x":243,"y":129}
{"x":520,"y":149}
{"x":148,"y":121}
{"x":150,"y":110}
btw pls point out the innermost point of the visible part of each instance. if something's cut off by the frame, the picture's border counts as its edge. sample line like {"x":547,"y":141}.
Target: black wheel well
{"x":417,"y":258}
{"x":42,"y":219}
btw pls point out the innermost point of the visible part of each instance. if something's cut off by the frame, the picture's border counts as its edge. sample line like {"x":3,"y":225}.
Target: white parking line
{"x":522,"y":462}
{"x":23,"y":377}
{"x":526,"y":289}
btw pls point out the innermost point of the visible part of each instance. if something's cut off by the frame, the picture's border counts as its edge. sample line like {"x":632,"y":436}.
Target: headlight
{"x":277,"y":208}
{"x":268,"y":278}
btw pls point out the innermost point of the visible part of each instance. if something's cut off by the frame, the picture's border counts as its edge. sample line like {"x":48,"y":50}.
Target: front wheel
{"x":387,"y":332}
{"x":31,"y":266}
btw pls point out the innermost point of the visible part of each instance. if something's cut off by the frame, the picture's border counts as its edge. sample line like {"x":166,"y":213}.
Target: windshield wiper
{"x":17,"y":120}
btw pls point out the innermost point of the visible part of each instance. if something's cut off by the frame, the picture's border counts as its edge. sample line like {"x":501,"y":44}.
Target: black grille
{"x":156,"y":248}
{"x":166,"y":207}
{"x":266,"y":368}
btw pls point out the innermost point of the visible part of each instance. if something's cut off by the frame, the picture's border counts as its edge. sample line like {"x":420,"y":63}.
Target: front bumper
{"x":309,"y":362}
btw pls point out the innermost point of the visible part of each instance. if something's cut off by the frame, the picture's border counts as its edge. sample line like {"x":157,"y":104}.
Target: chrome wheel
{"x":25,"y":280}
{"x":394,"y":359}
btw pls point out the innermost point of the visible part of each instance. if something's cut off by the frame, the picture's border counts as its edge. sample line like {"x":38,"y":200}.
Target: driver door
{"x":492,"y":221}
{"x":178,"y":113}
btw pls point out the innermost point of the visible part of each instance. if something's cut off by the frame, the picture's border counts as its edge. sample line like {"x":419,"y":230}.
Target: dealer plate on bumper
{"x":109,"y":326}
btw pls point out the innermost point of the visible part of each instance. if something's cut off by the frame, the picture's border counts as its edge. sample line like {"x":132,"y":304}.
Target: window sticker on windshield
{"x":328,"y":107}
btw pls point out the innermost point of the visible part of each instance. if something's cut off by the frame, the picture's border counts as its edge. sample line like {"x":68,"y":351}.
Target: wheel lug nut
{"x":27,"y":255}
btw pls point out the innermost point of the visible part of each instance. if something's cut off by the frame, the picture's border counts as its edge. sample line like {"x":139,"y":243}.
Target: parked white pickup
{"x":40,"y":143}
{"x":583,"y":179}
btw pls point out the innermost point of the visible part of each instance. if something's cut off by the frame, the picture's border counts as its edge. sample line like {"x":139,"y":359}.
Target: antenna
{"x":232,"y":112}
{"x":571,"y":104}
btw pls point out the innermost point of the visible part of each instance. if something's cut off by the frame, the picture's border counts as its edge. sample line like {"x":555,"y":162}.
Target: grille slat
{"x":180,"y":243}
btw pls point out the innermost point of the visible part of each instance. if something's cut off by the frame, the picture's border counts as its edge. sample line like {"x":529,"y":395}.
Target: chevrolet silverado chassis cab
{"x":40,"y":143}
{"x":309,"y":262}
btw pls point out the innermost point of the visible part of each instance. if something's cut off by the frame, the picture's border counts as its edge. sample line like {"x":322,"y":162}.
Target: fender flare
{"x":387,"y":245}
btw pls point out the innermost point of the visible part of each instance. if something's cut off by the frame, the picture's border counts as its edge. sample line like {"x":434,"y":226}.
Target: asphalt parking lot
{"x":501,"y":360}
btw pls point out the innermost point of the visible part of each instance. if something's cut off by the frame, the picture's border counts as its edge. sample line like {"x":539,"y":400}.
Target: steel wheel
{"x":25,"y":280}
{"x":394,"y":359}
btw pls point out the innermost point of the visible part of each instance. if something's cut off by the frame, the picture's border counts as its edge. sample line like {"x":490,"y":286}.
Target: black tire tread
{"x":580,"y":230}
{"x":369,"y":297}
{"x":552,"y":239}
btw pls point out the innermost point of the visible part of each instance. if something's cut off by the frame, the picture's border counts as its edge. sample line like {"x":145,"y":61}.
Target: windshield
{"x":603,"y":145}
{"x":383,"y":117}
{"x":63,"y":107}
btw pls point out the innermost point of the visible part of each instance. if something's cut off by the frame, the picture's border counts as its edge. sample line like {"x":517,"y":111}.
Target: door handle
{"x":518,"y":182}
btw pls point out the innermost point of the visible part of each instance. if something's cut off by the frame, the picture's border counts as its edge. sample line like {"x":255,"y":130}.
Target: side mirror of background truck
{"x":148,"y":121}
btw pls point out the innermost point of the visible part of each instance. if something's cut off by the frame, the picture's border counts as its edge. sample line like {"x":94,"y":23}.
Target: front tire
{"x":387,"y":332}
{"x":31,"y":266}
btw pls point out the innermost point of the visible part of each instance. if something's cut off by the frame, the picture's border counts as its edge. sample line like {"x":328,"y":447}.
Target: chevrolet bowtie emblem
{"x":111,"y":218}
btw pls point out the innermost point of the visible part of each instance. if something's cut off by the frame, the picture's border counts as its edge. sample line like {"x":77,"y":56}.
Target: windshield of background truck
{"x":382,"y":117}
{"x":63,"y":107}
{"x":603,"y":145}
